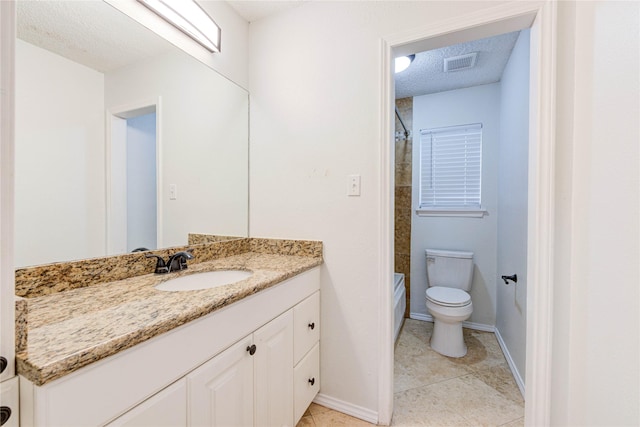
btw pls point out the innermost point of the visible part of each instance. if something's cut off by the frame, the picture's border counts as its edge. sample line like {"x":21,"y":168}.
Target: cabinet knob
{"x":251,"y":349}
{"x":312,"y":381}
{"x":312,"y":325}
{"x":5,"y":414}
{"x":3,"y":364}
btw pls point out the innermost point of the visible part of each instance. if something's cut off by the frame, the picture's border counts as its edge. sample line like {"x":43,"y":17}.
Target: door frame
{"x":540,"y":16}
{"x":7,"y":188}
{"x":124,"y":112}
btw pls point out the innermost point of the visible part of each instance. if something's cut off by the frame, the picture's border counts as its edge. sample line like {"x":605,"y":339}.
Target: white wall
{"x":479,"y":104}
{"x":315,"y":118}
{"x":315,"y":121}
{"x":203,"y":141}
{"x":512,"y":203}
{"x":596,"y":346}
{"x":59,"y":187}
{"x":233,"y":59}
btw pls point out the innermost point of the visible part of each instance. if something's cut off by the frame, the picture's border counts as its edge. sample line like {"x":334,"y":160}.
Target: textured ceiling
{"x":89,"y":32}
{"x":425,"y":74}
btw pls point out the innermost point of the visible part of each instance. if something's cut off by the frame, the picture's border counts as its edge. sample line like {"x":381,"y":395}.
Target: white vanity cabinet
{"x":202,"y":373}
{"x":223,"y":389}
{"x":306,"y":349}
{"x":271,"y":387}
{"x":167,"y":408}
{"x":251,"y":383}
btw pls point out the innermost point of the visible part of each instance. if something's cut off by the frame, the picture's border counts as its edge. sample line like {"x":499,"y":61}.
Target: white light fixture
{"x":190,"y":18}
{"x":403,"y":62}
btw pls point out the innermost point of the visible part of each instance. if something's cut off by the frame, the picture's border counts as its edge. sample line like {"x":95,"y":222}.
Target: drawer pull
{"x":312,"y":381}
{"x":251,"y":349}
{"x":312,"y":325}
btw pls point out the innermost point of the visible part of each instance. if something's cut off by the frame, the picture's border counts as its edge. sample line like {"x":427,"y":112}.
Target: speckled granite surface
{"x":310,"y":248}
{"x":51,"y":278}
{"x":198,"y":239}
{"x":64,"y":331}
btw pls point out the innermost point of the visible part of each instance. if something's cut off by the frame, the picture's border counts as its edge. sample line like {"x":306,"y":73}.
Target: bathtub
{"x":400,"y":302}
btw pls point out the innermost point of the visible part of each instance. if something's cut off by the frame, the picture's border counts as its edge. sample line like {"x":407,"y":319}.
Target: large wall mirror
{"x":122,"y":140}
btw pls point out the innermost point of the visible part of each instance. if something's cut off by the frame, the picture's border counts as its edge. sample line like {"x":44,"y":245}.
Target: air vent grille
{"x":462,"y":62}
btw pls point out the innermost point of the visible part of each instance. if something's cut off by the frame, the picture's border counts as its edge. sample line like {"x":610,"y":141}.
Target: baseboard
{"x":512,"y":365}
{"x":420,"y":316}
{"x":347,"y":408}
{"x":470,"y":325}
{"x":479,"y":326}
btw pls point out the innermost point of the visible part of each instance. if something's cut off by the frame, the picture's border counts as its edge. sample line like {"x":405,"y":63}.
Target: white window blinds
{"x":451,"y":167}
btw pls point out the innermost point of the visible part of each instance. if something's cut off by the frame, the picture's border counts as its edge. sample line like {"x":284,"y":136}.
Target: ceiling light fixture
{"x":403,"y":62}
{"x":190,"y":18}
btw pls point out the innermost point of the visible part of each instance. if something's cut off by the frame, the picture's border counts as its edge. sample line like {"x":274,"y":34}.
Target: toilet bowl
{"x":449,"y":276}
{"x":448,"y":313}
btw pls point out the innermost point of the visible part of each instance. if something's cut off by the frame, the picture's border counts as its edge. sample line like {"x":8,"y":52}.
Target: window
{"x":451,"y":171}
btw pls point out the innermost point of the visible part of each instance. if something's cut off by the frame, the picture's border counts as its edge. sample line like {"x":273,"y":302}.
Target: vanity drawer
{"x":306,"y":326}
{"x":306,"y":381}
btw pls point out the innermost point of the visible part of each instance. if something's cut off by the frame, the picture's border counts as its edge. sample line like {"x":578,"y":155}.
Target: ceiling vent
{"x":462,"y":62}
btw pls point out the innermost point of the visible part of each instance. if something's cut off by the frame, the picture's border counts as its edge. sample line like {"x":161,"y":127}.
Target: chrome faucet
{"x":176,"y":262}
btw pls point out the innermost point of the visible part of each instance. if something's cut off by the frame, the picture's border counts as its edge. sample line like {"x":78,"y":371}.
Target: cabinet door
{"x":166,"y":408}
{"x":273,"y":365}
{"x":221,"y":390}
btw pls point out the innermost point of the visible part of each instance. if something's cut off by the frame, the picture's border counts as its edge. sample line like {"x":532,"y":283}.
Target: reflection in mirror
{"x":135,"y":167}
{"x":122,"y":140}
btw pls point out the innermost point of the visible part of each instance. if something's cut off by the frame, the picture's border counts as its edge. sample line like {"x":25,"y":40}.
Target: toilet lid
{"x":450,"y":297}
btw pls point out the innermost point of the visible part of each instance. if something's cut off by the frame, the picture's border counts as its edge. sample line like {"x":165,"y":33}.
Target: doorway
{"x":133,"y":179}
{"x":141,"y":182}
{"x":511,"y":17}
{"x":469,"y":191}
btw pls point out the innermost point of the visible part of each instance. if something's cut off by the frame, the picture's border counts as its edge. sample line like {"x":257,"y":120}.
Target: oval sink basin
{"x":206,"y":280}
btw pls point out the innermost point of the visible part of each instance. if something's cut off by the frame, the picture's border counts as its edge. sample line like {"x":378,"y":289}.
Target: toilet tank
{"x":451,"y":269}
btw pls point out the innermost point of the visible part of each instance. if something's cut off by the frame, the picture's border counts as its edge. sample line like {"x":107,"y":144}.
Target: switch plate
{"x":173,"y":192}
{"x":353,"y":185}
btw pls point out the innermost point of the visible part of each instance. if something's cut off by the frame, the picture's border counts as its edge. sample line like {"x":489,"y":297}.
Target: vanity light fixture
{"x":403,"y":62}
{"x":190,"y":18}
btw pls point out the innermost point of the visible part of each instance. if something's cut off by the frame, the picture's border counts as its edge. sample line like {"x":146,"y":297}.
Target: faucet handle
{"x":161,"y":266}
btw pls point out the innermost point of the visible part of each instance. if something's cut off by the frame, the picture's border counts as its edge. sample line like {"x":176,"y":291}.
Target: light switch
{"x":353,"y":185}
{"x":173,"y":192}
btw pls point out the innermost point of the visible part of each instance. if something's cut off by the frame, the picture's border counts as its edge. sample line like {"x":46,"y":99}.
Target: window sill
{"x":453,"y":212}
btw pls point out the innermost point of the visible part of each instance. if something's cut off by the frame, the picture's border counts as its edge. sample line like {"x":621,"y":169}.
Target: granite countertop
{"x":68,"y":330}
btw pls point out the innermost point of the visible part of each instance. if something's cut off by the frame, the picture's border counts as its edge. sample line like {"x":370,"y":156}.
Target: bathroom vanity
{"x":124,"y":353}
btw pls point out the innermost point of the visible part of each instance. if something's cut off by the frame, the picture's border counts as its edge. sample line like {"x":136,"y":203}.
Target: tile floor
{"x":434,"y":390}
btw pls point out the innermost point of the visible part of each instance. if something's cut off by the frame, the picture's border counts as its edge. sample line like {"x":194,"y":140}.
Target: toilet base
{"x":447,"y":339}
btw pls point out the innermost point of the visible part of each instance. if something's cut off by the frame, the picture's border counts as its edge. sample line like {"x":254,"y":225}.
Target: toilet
{"x":449,"y":277}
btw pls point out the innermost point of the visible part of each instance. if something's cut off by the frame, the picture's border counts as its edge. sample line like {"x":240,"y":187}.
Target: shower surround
{"x":403,"y":168}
